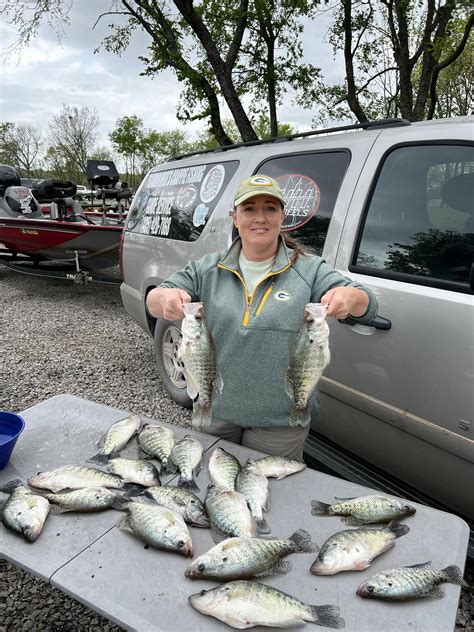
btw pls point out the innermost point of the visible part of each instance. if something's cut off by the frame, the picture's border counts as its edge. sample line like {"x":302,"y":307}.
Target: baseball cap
{"x":258,"y":184}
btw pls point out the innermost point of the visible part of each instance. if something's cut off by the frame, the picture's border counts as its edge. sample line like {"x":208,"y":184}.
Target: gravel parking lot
{"x":57,"y":337}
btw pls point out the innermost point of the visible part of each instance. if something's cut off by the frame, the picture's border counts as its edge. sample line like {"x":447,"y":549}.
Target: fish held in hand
{"x":197,"y":351}
{"x":244,"y":558}
{"x":245,"y":604}
{"x":116,"y":438}
{"x":223,"y":468}
{"x":229,"y":514}
{"x":160,"y":527}
{"x":308,"y":359}
{"x":255,"y":489}
{"x":136,"y":471}
{"x":186,"y":457}
{"x":24,"y":512}
{"x":157,"y":442}
{"x":275,"y":466}
{"x":181,"y":500}
{"x":364,"y":509}
{"x":87,"y":499}
{"x":409,"y":582}
{"x":354,"y":549}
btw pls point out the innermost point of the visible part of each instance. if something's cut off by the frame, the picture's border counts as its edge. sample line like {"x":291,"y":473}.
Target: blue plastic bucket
{"x":11,"y":427}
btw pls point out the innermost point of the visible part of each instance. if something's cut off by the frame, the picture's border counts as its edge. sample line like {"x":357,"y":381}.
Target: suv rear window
{"x":419,"y":225}
{"x":177,"y":203}
{"x":310,"y":183}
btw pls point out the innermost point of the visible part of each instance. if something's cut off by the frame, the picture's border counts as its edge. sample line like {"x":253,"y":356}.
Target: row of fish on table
{"x":234,"y":509}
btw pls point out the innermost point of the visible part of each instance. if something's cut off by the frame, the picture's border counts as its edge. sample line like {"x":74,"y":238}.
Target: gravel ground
{"x":57,"y":337}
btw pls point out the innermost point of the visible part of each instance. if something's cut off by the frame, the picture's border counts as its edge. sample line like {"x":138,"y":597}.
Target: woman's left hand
{"x":345,"y":301}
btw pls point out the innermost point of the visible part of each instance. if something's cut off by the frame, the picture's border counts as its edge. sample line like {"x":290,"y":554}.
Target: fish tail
{"x":188,"y":484}
{"x":132,"y":489}
{"x":10,"y":486}
{"x":262,"y":525}
{"x":33,"y":533}
{"x":202,"y":415}
{"x":170,"y":468}
{"x":319,"y":509}
{"x":303,"y":542}
{"x":327,"y":616}
{"x":100,"y":459}
{"x":397,"y":528}
{"x":299,"y":417}
{"x":453,"y":574}
{"x":120,"y":503}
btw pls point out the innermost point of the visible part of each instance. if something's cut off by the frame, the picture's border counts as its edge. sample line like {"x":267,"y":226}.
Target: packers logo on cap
{"x":260,"y":181}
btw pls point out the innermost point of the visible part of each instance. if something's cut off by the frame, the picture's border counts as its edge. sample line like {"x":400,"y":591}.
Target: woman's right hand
{"x":167,"y":303}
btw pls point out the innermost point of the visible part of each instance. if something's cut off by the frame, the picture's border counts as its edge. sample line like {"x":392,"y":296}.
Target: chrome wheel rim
{"x":173,"y":365}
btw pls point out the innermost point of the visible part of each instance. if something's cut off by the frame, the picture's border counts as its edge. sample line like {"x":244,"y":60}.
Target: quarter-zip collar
{"x":230,"y":259}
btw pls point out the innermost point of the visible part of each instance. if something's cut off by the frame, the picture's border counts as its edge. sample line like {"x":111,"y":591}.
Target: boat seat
{"x":48,"y":190}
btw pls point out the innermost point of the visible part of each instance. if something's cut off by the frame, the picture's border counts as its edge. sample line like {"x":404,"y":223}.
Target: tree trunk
{"x":351,"y":98}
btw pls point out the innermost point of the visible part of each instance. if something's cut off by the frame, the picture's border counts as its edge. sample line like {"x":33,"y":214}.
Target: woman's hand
{"x":164,"y":302}
{"x":345,"y":301}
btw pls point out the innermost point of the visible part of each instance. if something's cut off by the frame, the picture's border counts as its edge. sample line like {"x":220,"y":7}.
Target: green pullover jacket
{"x":254,"y":337}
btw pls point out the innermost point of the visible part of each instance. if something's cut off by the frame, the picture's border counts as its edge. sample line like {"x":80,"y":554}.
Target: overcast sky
{"x":47,"y":75}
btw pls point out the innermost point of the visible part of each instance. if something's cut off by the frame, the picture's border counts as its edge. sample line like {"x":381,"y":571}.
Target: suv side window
{"x":178,"y":202}
{"x":310,"y":183}
{"x":419,"y":225}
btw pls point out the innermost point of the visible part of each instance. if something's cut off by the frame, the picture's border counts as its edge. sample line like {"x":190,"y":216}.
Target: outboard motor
{"x":16,"y":200}
{"x":104,"y":175}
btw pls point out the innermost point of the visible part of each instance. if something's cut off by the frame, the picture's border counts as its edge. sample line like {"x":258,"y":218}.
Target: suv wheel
{"x":170,"y":367}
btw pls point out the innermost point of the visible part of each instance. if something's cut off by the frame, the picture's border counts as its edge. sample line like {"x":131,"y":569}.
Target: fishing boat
{"x":65,"y":235}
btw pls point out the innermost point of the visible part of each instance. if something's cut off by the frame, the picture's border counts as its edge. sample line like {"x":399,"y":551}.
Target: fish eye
{"x":310,"y":320}
{"x":370,"y":589}
{"x":201,"y":567}
{"x":203,"y":592}
{"x":180,"y":544}
{"x":224,"y":559}
{"x":311,"y":341}
{"x":390,"y":584}
{"x":192,"y":501}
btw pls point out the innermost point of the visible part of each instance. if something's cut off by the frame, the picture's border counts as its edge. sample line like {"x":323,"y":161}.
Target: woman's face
{"x":258,"y":220}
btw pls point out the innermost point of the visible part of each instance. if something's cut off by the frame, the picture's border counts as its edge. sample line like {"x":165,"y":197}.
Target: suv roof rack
{"x":378,"y":124}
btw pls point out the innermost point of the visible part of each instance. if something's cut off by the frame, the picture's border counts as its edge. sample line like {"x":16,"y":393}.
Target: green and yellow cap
{"x":258,"y":184}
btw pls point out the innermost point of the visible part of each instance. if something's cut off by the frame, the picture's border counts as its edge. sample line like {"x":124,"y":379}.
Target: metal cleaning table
{"x":110,"y":571}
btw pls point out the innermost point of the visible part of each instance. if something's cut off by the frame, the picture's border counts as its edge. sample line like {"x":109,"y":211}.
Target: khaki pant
{"x":286,"y":442}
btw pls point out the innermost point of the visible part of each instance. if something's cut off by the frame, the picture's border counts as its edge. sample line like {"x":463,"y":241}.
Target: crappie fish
{"x":116,"y":438}
{"x":198,"y":354}
{"x":160,"y":527}
{"x":75,"y":477}
{"x":244,"y":558}
{"x":223,"y":468}
{"x":86,"y":499}
{"x":409,"y":582}
{"x":246,"y":604}
{"x":308,"y":359}
{"x":181,"y":500}
{"x":364,"y":509}
{"x":275,"y":466}
{"x":255,"y":489}
{"x":24,"y":511}
{"x":186,"y":457}
{"x":157,"y":442}
{"x":228,"y":513}
{"x":136,"y":471}
{"x":354,"y":549}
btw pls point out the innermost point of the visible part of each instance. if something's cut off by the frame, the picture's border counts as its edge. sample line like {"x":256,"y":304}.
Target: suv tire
{"x":171,"y":369}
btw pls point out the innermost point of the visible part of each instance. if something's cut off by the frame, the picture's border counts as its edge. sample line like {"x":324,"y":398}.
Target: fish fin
{"x":280,"y":568}
{"x":397,"y":528}
{"x":198,"y":468}
{"x":289,"y":387}
{"x":191,"y":387}
{"x":218,"y":384}
{"x":319,"y":508}
{"x":171,"y":468}
{"x":120,"y":503}
{"x":437,"y":592}
{"x":11,"y":485}
{"x":101,"y":442}
{"x":143,"y":455}
{"x":262,"y":525}
{"x":327,"y":616}
{"x":202,"y":415}
{"x":361,"y":564}
{"x":303,"y":542}
{"x":217,"y":534}
{"x":299,"y":417}
{"x":132,"y":489}
{"x":100,"y":459}
{"x":423,"y":565}
{"x":124,"y":524}
{"x":2,"y":506}
{"x":266,"y":506}
{"x":57,"y":509}
{"x":352,"y":521}
{"x":339,"y":499}
{"x":191,"y":485}
{"x":453,"y":574}
{"x":32,"y":534}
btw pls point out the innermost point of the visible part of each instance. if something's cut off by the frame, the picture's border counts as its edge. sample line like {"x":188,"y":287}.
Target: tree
{"x":73,"y":133}
{"x":127,"y":139}
{"x":394,"y":52}
{"x":157,"y":147}
{"x":20,"y":146}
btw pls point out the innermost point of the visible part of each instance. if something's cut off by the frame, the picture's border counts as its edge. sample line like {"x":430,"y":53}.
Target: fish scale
{"x":157,"y":441}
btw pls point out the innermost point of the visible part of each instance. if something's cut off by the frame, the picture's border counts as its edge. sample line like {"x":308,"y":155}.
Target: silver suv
{"x":389,"y":204}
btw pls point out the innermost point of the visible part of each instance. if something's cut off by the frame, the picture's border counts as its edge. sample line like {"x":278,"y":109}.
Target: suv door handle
{"x":378,"y":322}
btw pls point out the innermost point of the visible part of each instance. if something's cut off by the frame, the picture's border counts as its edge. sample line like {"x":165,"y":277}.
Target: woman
{"x":254,"y":296}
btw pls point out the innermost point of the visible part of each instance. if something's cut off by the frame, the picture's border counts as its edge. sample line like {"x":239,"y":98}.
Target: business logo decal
{"x":302,"y":199}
